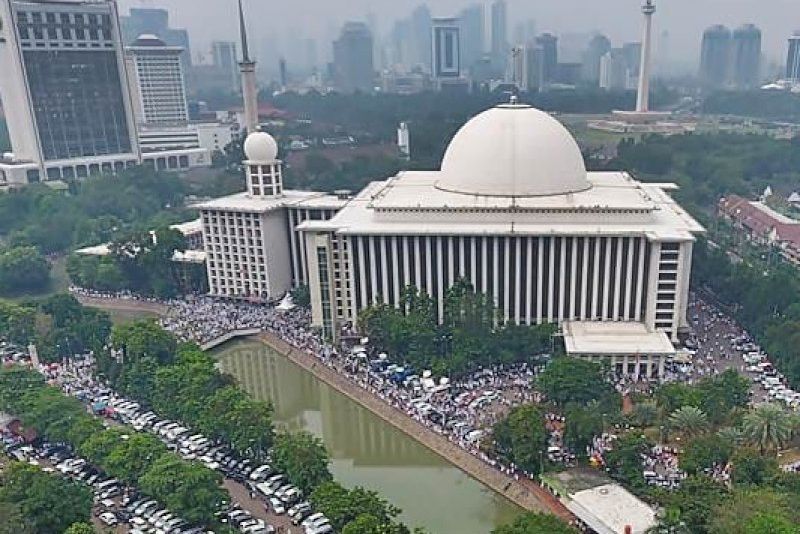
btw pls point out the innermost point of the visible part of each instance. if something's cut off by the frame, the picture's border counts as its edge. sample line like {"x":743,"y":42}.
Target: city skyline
{"x":682,"y":20}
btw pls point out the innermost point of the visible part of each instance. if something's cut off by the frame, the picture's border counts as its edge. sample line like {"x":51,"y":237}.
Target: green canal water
{"x":365,"y":450}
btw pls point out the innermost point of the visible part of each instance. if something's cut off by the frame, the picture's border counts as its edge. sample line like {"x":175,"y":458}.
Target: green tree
{"x":80,"y":528}
{"x":750,"y":511}
{"x":99,"y":446}
{"x":303,"y":458}
{"x":575,"y":380}
{"x":49,"y":503}
{"x":689,"y":421}
{"x":132,"y":457}
{"x":536,"y":523}
{"x":752,"y":468}
{"x":13,"y":520}
{"x":695,"y":502}
{"x":144,"y":338}
{"x":768,"y":427}
{"x":190,"y":490}
{"x":645,"y":413}
{"x":582,"y":425}
{"x":521,"y":438}
{"x":702,"y":452}
{"x":17,"y":322}
{"x":22,"y":269}
{"x":342,"y":506}
{"x":624,"y":461}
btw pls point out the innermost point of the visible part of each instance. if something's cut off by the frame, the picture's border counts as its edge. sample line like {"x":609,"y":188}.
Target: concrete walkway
{"x":525,"y":493}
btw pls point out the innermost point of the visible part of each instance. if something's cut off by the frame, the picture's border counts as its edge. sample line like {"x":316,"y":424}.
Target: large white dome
{"x":513,"y":150}
{"x":260,"y":147}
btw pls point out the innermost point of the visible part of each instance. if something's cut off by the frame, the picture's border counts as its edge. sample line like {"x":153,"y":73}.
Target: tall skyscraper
{"x":157,"y":82}
{"x":471,"y":24}
{"x":420,"y":29}
{"x":225,"y":58}
{"x":500,"y":45}
{"x":598,"y":47}
{"x":614,"y":71}
{"x":142,"y":21}
{"x":746,"y":67}
{"x":352,"y":59}
{"x":548,"y":58}
{"x":64,"y":88}
{"x":715,"y":56}
{"x":446,"y":49}
{"x":793,"y":58}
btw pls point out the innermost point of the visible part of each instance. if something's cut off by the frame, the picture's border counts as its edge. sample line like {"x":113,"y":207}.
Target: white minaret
{"x":643,"y":97}
{"x":247,"y":67}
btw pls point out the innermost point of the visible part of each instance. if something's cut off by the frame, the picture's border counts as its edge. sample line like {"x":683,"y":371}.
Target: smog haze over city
{"x":275,"y":26}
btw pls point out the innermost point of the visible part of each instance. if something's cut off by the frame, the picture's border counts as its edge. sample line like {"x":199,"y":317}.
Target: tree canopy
{"x":535,"y":523}
{"x":303,"y":458}
{"x":521,"y":438}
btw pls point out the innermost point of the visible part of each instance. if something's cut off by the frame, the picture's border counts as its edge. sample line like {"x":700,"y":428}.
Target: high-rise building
{"x":471,"y":25}
{"x":64,"y":89}
{"x":352,"y":59}
{"x":715,"y":56}
{"x":225,"y":58}
{"x":142,"y":21}
{"x":420,"y":30}
{"x":157,"y":82}
{"x":548,"y":45}
{"x":746,"y":57}
{"x":446,"y":49}
{"x":614,"y":71}
{"x":500,"y":46}
{"x":793,"y":58}
{"x":599,"y":46}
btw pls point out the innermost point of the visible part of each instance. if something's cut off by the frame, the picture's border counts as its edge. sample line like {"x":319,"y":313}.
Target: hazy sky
{"x":273,"y":21}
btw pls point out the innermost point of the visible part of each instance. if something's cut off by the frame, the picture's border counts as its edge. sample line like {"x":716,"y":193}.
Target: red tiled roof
{"x":759,"y":221}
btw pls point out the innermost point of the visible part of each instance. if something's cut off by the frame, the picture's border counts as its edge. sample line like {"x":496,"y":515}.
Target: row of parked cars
{"x":114,"y":502}
{"x":279,"y":496}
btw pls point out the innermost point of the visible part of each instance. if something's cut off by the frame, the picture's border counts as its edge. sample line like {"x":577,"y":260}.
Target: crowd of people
{"x":203,"y":319}
{"x":462,"y":410}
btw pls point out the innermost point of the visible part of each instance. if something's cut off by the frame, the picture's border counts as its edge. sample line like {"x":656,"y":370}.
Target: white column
{"x":395,"y":273}
{"x":496,"y":272}
{"x":384,"y":271}
{"x":417,"y":263}
{"x":585,"y":278}
{"x":573,"y":278}
{"x":518,"y":282}
{"x":406,"y":266}
{"x":507,"y":277}
{"x":473,"y":273}
{"x":429,"y":266}
{"x":551,"y":279}
{"x":451,"y":270}
{"x":606,"y":280}
{"x":440,"y":274}
{"x":617,"y":280}
{"x":595,"y":278}
{"x":373,"y":269}
{"x":461,"y":261}
{"x":293,"y":245}
{"x":529,"y":281}
{"x":637,"y":312}
{"x":540,"y":282}
{"x":562,"y":286}
{"x":629,"y":278}
{"x":484,"y":262}
{"x":682,"y":291}
{"x":362,"y":270}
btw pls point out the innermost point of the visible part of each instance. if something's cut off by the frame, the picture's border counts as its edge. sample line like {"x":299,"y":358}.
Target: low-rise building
{"x":763,"y":225}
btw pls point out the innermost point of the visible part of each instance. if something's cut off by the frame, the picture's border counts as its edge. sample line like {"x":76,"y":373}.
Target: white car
{"x":108,"y":518}
{"x":277,"y":506}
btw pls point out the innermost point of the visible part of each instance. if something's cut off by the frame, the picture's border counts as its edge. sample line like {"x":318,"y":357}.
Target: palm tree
{"x":732,"y":435}
{"x":767,"y":426}
{"x":689,"y":420}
